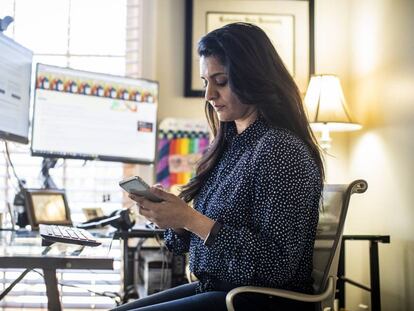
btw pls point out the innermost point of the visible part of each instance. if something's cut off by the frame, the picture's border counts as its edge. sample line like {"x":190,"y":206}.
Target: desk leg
{"x":128,"y":272}
{"x":53,"y":299}
{"x":340,"y":282}
{"x":125,"y":270}
{"x":375,"y":278}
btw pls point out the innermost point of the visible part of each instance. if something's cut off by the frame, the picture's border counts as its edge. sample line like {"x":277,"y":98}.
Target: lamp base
{"x":326,"y":139}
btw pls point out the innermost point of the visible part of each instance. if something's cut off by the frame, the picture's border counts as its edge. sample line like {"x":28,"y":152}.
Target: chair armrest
{"x":280,"y":293}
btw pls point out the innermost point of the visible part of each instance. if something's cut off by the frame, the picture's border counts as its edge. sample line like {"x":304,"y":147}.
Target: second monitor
{"x":15,"y":73}
{"x":85,"y":115}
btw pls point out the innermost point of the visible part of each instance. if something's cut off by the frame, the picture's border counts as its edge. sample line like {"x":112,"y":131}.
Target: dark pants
{"x":184,"y":298}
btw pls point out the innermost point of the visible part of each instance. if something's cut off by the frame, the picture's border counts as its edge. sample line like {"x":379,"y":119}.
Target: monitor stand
{"x":47,"y":181}
{"x":5,"y":22}
{"x":20,"y":199}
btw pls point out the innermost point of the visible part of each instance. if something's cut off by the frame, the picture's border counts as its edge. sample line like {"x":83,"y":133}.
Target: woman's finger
{"x":144,"y":212}
{"x":166,"y":196}
{"x":133,"y":196}
{"x":136,"y":198}
{"x":159,"y":186}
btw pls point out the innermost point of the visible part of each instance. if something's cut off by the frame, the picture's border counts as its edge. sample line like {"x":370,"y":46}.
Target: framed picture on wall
{"x":288,"y":23}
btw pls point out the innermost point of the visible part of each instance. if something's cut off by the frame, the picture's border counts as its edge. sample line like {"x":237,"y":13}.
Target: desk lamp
{"x":326,"y":107}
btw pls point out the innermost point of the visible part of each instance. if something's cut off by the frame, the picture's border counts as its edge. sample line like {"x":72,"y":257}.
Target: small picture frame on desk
{"x":288,"y":23}
{"x":47,"y":206}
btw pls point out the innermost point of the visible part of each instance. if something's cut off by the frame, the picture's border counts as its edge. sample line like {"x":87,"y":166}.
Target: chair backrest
{"x":332,"y":216}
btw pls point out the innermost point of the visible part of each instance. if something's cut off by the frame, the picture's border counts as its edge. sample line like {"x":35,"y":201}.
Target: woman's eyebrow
{"x":214,"y":75}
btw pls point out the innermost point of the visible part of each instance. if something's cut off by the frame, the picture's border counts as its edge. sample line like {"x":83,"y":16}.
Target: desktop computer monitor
{"x":86,"y":115}
{"x":47,"y":206}
{"x":15,"y":75}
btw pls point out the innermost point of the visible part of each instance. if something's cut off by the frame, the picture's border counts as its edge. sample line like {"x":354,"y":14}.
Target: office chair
{"x":326,"y":250}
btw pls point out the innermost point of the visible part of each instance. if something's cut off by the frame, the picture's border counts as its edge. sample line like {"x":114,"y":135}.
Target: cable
{"x":12,"y":220}
{"x":97,"y":273}
{"x":112,"y":295}
{"x":164,"y":265}
{"x":10,"y":287}
{"x":8,"y":158}
{"x":110,"y":244}
{"x":131,"y":288}
{"x":21,"y":185}
{"x":18,"y":190}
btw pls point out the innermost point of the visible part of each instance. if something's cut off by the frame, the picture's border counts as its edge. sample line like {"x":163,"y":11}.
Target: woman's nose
{"x":211,"y":93}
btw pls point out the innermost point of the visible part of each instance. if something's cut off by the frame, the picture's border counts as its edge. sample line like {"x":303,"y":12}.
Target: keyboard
{"x":64,"y":234}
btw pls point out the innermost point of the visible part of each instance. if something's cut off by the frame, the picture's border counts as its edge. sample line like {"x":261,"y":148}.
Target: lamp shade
{"x":326,"y":106}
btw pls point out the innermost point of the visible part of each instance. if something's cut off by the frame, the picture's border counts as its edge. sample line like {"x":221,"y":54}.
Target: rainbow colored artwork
{"x":178,"y":153}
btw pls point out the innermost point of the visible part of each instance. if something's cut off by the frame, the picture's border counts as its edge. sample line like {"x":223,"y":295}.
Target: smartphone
{"x":135,"y":185}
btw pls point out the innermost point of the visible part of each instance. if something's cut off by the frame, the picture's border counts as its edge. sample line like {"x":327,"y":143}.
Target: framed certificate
{"x":288,"y":23}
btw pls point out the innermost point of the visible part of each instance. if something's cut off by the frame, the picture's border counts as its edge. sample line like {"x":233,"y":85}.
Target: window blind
{"x":87,"y":184}
{"x":63,"y":33}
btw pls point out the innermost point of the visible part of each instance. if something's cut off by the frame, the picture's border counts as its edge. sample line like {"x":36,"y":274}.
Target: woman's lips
{"x":218,"y":107}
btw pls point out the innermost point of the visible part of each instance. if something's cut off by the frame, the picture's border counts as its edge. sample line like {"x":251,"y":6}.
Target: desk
{"x":374,"y":269}
{"x":24,"y":250}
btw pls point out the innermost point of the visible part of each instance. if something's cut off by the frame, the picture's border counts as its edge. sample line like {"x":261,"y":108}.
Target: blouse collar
{"x":250,"y":135}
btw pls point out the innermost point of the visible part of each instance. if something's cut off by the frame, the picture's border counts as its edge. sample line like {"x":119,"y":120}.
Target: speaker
{"x":122,"y":219}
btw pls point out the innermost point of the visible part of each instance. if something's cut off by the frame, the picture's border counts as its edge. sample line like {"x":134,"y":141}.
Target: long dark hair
{"x":257,"y":75}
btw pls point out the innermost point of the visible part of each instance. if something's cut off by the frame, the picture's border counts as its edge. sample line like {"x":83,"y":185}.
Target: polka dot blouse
{"x":265,"y":191}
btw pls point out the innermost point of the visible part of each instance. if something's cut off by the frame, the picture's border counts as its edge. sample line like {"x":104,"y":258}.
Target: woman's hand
{"x":171,"y":213}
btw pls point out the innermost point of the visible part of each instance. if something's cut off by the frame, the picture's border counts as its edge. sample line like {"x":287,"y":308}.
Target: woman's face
{"x":218,"y":93}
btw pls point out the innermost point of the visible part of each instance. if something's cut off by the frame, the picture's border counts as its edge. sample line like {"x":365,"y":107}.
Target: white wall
{"x":382,"y":83}
{"x":370,"y":44}
{"x":170,"y":62}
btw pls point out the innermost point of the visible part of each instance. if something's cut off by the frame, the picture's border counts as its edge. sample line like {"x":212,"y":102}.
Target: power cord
{"x":13,"y":284}
{"x":8,"y":158}
{"x":165,"y":261}
{"x":131,"y":288}
{"x":19,"y":197}
{"x":9,"y":161}
{"x":115,"y":296}
{"x":110,"y":244}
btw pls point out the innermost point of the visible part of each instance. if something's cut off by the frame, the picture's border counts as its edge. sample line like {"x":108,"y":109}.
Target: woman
{"x":257,"y":188}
